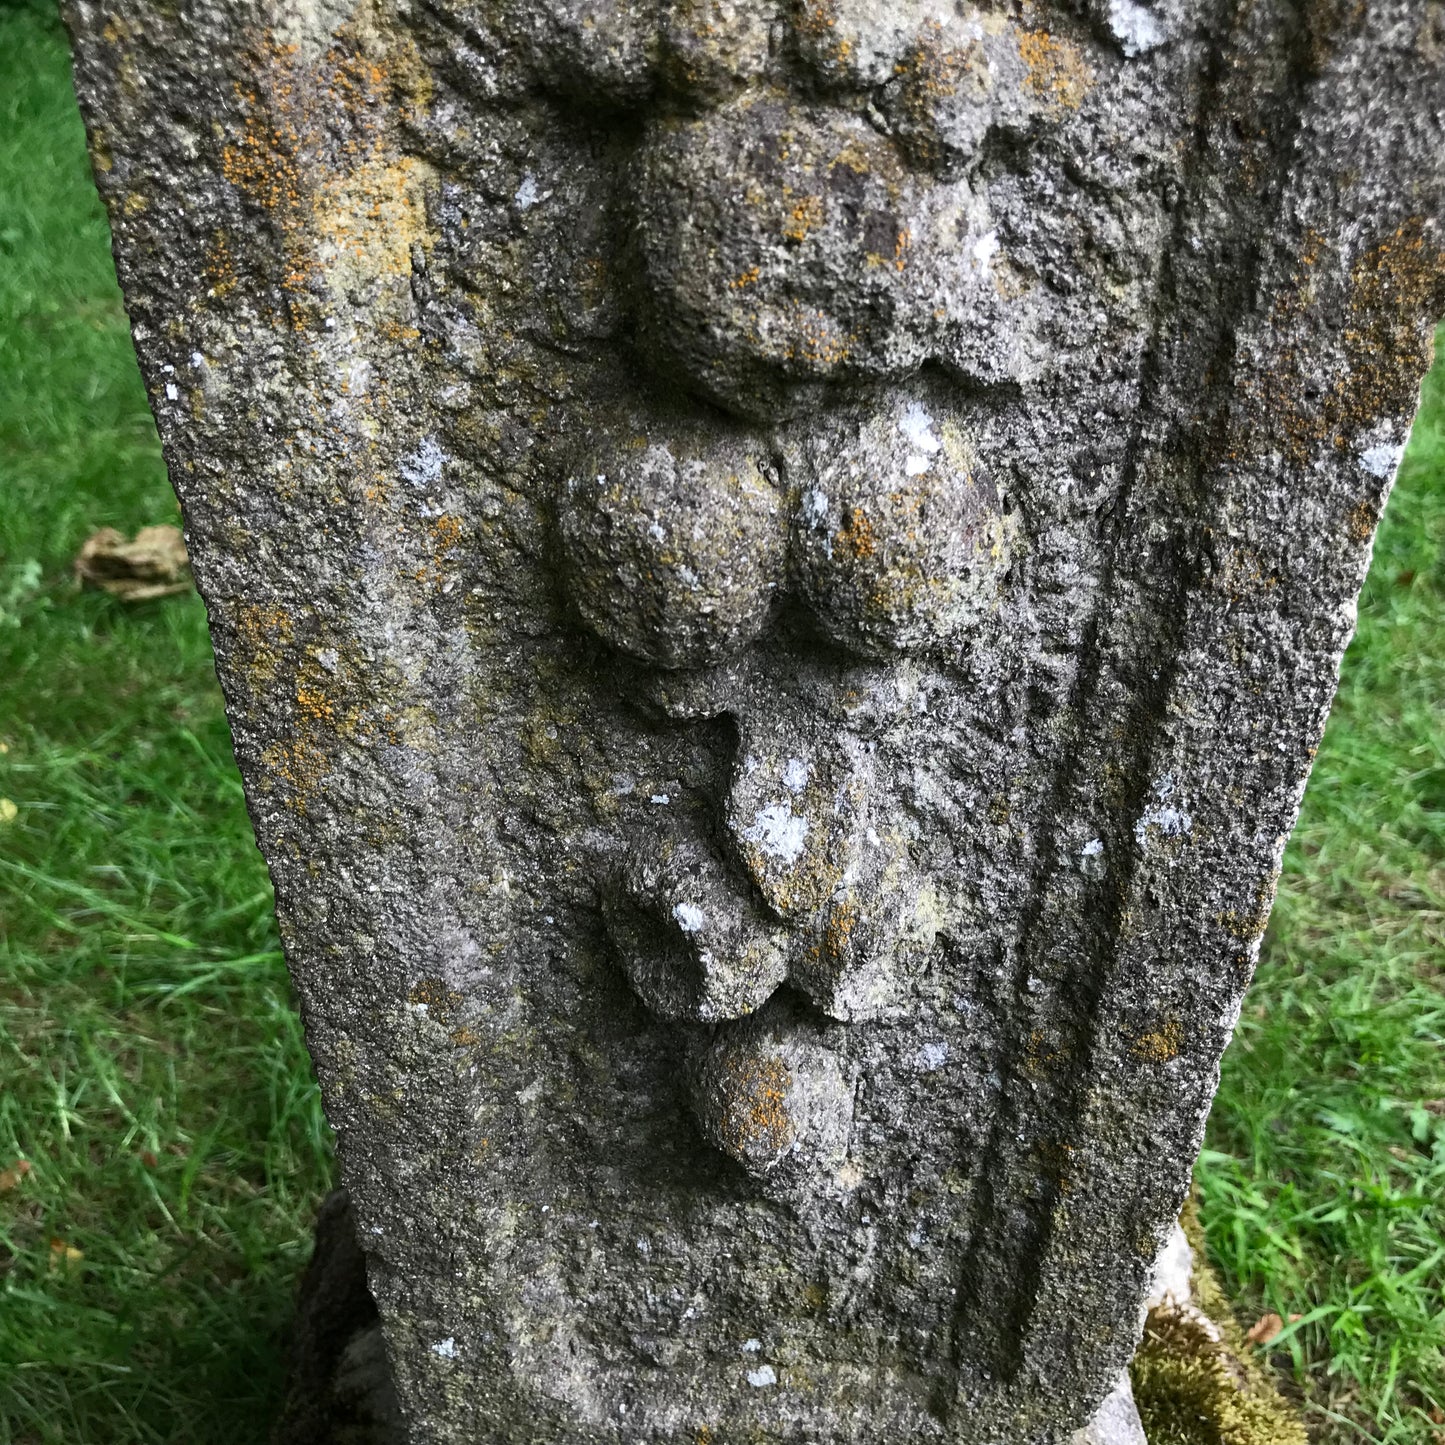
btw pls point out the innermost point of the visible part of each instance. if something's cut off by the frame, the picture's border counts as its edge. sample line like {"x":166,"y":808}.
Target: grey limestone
{"x":777,"y":570}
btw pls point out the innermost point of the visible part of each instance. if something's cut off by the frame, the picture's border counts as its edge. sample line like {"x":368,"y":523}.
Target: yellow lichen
{"x":1056,"y":70}
{"x":1159,"y":1045}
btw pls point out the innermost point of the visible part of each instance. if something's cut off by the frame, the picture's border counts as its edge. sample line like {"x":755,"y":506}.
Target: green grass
{"x":1324,"y":1181}
{"x":151,"y":1066}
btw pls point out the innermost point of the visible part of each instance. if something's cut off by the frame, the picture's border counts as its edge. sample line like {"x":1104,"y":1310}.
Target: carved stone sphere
{"x":689,"y":945}
{"x":674,"y":544}
{"x":599,"y":49}
{"x":861,"y":43}
{"x":776,"y":246}
{"x":900,"y":539}
{"x":770,"y":1094}
{"x":711,"y":47}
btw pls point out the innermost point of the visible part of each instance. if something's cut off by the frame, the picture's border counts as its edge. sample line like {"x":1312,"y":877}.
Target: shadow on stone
{"x":339,"y":1389}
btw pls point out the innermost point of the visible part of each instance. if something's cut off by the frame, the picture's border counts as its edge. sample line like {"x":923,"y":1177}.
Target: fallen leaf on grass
{"x":63,"y":1255}
{"x":11,"y":1177}
{"x":154,"y":564}
{"x":9,"y":811}
{"x":1264,"y":1329}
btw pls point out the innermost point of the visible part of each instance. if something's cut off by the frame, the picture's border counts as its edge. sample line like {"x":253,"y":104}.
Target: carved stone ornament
{"x":777,"y":570}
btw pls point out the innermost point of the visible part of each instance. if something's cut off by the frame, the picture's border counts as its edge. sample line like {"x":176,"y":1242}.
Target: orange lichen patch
{"x":311,"y":151}
{"x":432,"y":994}
{"x":399,"y":333}
{"x":816,"y":340}
{"x":444,"y":536}
{"x":1361,"y":519}
{"x":367,"y":220}
{"x":1161,"y":1044}
{"x":817,"y":20}
{"x":314,"y":705}
{"x":465,"y":1037}
{"x":446,"y":533}
{"x":1057,"y":72}
{"x":898,"y":260}
{"x":930,"y":72}
{"x":1397,"y":287}
{"x":409,"y":75}
{"x":745,"y":278}
{"x":805,"y":216}
{"x":263,"y":634}
{"x":858,"y":536}
{"x":262,"y":161}
{"x":755,"y":1122}
{"x":299,"y":767}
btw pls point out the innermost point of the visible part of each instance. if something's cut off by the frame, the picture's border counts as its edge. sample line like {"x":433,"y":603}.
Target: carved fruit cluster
{"x":677,"y":546}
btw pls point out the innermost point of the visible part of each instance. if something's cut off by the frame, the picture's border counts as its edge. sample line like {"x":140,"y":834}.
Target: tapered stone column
{"x":777,"y":570}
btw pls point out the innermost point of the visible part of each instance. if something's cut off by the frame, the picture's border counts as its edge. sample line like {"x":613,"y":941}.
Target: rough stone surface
{"x":777,"y":570}
{"x":1116,"y":1421}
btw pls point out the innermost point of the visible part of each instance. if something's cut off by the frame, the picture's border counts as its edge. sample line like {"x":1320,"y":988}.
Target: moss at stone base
{"x":1195,"y":1381}
{"x":1192,"y":1390}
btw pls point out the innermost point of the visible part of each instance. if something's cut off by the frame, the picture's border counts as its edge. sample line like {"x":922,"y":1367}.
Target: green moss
{"x":1193,"y":1389}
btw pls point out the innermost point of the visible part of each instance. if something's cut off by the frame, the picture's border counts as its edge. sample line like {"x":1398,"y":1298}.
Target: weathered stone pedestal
{"x":777,"y":567}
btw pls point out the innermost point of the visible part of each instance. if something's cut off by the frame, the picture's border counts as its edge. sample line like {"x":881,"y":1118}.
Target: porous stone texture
{"x":777,"y":570}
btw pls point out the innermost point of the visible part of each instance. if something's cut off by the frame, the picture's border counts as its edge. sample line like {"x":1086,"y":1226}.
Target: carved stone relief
{"x":776,"y":584}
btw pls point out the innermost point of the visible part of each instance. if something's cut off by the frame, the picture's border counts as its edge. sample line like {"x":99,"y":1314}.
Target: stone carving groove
{"x":776,"y":568}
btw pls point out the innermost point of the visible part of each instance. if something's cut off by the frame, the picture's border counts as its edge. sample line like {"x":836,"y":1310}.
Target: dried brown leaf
{"x":1264,"y":1329}
{"x":10,"y":1177}
{"x":63,"y":1255}
{"x":152,"y":564}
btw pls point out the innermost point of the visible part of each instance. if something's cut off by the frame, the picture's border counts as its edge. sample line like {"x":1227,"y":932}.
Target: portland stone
{"x":777,"y":568}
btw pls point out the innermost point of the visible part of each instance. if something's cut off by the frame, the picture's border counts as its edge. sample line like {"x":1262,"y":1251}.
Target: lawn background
{"x":152,"y":1072}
